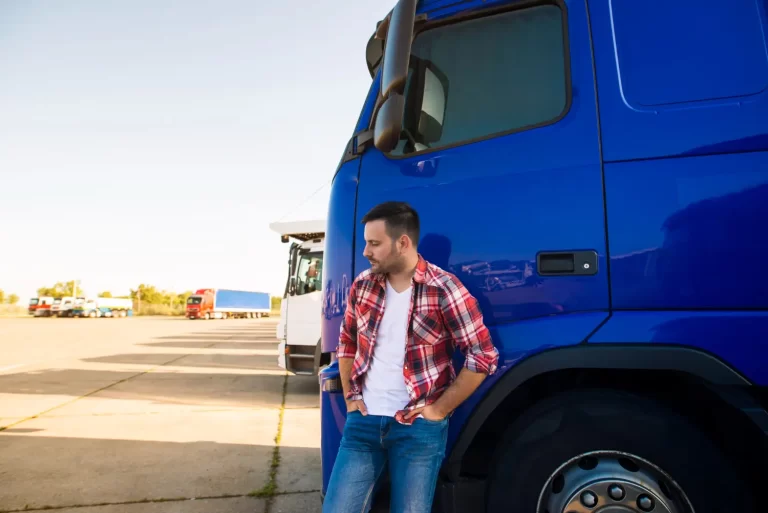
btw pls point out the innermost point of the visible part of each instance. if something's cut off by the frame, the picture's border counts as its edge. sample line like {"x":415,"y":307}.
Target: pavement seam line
{"x":149,"y":501}
{"x":72,"y":401}
{"x":269,"y":490}
{"x":124,"y":503}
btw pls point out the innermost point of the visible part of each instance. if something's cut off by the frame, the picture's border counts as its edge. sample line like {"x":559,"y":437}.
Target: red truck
{"x":40,"y":306}
{"x":224,"y":304}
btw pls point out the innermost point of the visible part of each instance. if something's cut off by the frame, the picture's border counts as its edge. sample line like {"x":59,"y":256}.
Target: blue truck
{"x":596,"y":173}
{"x":228,"y":304}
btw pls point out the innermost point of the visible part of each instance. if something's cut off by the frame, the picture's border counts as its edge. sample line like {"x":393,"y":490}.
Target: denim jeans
{"x":370,"y":444}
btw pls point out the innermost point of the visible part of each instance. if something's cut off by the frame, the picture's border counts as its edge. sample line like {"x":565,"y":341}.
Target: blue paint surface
{"x":658,"y":163}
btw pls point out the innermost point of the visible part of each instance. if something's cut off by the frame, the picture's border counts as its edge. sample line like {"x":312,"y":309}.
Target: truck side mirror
{"x":389,"y":123}
{"x":394,"y":72}
{"x":431,"y":111}
{"x":292,"y":287}
{"x":425,"y":111}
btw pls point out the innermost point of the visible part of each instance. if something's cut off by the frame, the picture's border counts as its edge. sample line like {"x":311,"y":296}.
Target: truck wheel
{"x":207,"y":316}
{"x":592,"y":449}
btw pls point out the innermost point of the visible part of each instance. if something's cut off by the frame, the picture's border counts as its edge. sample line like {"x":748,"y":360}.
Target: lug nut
{"x":616,"y":492}
{"x":645,"y":503}
{"x":589,"y":499}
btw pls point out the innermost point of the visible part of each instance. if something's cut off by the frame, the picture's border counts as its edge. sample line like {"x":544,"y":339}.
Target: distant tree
{"x":150,"y":295}
{"x":60,"y":289}
{"x":106,"y":293}
{"x":2,"y":296}
{"x":13,"y":299}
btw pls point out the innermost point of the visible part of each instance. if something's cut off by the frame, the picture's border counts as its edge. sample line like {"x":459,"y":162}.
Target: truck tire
{"x":585,"y":449}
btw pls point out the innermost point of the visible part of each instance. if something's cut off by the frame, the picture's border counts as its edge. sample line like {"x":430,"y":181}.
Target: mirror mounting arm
{"x":357,"y":145}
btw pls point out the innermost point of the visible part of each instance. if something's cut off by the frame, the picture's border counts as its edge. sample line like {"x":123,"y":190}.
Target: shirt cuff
{"x":352,"y":396}
{"x":481,"y":364}
{"x":346,"y":351}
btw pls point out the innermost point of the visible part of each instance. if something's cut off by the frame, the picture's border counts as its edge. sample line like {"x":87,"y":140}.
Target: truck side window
{"x":485,"y":77}
{"x":309,"y":274}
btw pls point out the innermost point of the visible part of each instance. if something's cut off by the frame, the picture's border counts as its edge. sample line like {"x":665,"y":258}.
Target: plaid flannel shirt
{"x":443,"y":315}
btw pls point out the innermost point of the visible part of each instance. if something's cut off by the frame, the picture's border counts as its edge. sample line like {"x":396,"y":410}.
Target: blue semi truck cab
{"x":596,"y":173}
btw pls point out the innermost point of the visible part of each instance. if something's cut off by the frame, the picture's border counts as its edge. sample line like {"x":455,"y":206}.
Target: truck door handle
{"x":566,"y":263}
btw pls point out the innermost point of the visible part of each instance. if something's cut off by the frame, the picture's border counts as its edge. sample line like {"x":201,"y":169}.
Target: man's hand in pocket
{"x":357,"y":405}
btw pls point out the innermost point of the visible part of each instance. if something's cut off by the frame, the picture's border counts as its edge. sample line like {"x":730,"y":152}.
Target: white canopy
{"x":301,"y":230}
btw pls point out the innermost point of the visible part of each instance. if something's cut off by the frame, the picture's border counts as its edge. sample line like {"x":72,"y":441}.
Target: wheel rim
{"x":611,"y":482}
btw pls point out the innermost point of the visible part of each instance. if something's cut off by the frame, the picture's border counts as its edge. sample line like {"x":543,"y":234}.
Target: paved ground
{"x":154,"y":415}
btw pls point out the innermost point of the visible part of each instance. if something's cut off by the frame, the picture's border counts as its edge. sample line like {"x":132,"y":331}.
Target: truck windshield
{"x":484,"y":77}
{"x":309,"y":276}
{"x":194,"y":300}
{"x":34,"y":301}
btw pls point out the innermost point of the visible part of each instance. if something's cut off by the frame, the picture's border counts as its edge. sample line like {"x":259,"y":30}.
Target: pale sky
{"x":153,"y":141}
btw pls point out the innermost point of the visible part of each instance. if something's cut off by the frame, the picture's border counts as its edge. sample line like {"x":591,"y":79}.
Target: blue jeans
{"x":369,"y":444}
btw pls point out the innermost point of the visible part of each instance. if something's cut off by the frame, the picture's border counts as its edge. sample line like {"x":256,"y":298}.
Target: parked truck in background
{"x":62,"y":307}
{"x":300,"y":349}
{"x":225,"y":304}
{"x":103,"y":307}
{"x":40,"y":306}
{"x":596,"y":174}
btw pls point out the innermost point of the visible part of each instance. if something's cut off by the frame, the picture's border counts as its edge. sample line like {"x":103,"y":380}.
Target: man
{"x":404,"y":317}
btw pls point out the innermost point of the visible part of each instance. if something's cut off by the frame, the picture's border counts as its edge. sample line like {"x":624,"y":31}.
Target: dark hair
{"x":399,"y":218}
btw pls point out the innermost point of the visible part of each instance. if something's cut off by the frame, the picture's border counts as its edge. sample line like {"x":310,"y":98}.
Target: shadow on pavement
{"x":303,"y":392}
{"x":82,"y":471}
{"x":227,"y":361}
{"x":233,"y":390}
{"x":197,"y":344}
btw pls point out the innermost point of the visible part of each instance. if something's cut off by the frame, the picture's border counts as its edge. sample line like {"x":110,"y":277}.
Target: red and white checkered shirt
{"x":443,"y":315}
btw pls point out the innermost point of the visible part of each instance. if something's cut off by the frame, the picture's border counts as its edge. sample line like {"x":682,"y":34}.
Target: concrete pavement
{"x":155,"y":415}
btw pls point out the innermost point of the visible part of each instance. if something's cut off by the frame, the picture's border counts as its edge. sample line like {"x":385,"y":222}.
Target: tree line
{"x":143,"y":296}
{"x":146,"y":294}
{"x":10,"y":299}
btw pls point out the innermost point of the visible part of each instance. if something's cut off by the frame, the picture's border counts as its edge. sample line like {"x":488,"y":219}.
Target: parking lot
{"x":153,"y":415}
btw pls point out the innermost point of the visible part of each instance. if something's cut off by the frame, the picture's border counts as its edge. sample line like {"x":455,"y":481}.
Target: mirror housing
{"x":388,"y":118}
{"x":398,"y":48}
{"x":389,"y":123}
{"x":292,"y":286}
{"x":374,"y":51}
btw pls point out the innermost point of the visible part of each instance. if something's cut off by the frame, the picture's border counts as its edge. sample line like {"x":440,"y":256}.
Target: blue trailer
{"x":596,"y":174}
{"x":225,"y":304}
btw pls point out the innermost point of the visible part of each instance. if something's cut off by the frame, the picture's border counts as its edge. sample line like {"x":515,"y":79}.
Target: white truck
{"x":103,"y":307}
{"x":62,"y":307}
{"x":300,"y":350}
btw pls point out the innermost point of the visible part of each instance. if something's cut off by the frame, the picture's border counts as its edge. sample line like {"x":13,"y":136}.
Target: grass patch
{"x":269,"y":490}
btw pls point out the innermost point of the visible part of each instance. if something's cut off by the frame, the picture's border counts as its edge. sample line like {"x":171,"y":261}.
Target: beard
{"x":391,"y":264}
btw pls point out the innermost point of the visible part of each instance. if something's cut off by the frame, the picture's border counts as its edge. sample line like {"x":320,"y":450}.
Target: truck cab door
{"x":500,"y":156}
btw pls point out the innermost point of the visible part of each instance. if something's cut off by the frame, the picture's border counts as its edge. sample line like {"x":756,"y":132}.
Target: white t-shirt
{"x":384,"y":391}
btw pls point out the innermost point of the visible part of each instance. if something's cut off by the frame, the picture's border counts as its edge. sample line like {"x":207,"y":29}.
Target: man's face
{"x":380,"y":250}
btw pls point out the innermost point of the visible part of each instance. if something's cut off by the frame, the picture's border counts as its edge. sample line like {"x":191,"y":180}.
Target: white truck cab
{"x":300,"y":350}
{"x":63,"y":307}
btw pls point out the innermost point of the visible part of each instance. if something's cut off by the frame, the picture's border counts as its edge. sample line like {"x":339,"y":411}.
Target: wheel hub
{"x":611,"y":482}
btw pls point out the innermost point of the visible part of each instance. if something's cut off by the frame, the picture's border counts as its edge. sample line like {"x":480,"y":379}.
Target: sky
{"x":153,"y":141}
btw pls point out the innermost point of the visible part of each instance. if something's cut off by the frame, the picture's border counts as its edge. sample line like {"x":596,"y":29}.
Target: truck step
{"x":302,"y":356}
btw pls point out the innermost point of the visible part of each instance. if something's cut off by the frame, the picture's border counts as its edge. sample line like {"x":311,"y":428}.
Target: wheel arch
{"x":699,"y":365}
